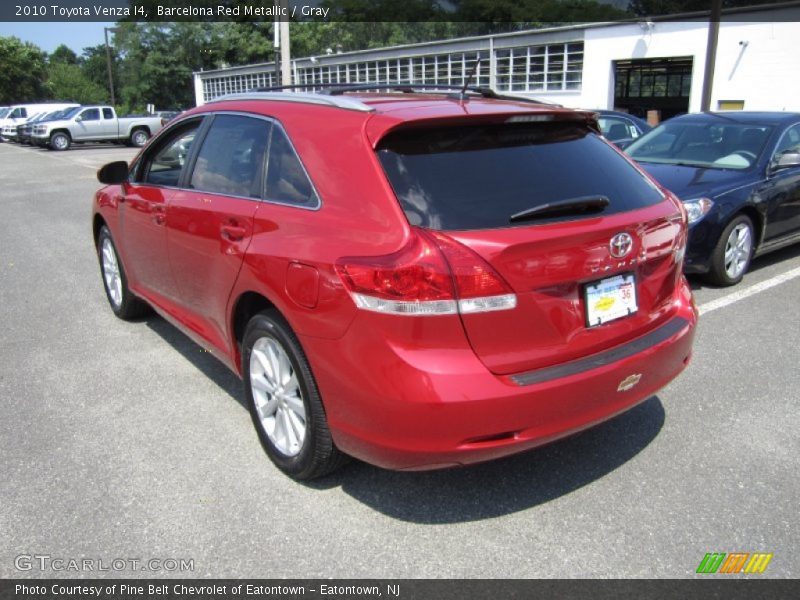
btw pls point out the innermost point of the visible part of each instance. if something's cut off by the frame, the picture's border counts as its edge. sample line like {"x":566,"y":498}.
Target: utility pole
{"x":286,"y":65}
{"x":108,"y":63}
{"x":711,"y":54}
{"x":276,"y":44}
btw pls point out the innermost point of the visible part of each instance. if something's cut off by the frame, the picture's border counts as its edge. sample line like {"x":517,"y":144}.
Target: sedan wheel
{"x":284,"y":401}
{"x":732,"y":255}
{"x":737,"y":251}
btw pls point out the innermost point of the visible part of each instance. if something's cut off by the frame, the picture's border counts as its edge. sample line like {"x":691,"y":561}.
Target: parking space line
{"x":749,"y":291}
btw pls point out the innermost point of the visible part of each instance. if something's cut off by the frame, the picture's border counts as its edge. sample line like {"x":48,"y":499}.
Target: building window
{"x":551,"y":67}
{"x":540,"y":68}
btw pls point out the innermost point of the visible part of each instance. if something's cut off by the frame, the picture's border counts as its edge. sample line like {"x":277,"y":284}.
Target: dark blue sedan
{"x":738,"y":175}
{"x":621,"y":128}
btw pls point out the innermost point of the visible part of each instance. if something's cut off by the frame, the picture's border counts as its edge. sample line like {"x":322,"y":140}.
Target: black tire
{"x":718,"y":274}
{"x":60,"y":141}
{"x":139,"y":137}
{"x":127,"y":306}
{"x":317,"y":455}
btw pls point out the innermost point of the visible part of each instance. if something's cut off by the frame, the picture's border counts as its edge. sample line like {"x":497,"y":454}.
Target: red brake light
{"x":474,"y":277}
{"x":432,"y":275}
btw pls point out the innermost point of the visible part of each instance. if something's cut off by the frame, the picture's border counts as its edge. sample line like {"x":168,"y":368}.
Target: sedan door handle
{"x":233,"y":233}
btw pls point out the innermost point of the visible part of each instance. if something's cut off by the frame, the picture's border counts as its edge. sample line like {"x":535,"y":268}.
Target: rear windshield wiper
{"x":585,"y":205}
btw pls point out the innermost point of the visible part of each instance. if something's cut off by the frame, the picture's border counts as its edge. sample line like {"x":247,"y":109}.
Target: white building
{"x":635,"y":66}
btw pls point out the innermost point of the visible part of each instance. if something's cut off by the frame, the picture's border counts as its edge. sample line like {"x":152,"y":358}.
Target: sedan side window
{"x":287,"y":181}
{"x":164,"y":166}
{"x":790,"y":141}
{"x":614,"y":129}
{"x":231,"y":159}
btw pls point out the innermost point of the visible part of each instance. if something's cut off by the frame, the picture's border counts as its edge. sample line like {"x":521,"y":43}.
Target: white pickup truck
{"x":94,"y":124}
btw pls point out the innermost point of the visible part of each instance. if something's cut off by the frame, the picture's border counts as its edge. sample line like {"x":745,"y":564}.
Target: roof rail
{"x":305,"y":98}
{"x":406,"y":88}
{"x":336,"y":95}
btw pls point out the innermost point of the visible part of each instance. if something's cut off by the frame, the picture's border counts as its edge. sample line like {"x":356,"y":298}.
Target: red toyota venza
{"x":418,"y":279}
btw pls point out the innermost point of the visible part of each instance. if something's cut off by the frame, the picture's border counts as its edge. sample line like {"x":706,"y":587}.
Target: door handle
{"x":159,"y":213}
{"x":233,"y":232}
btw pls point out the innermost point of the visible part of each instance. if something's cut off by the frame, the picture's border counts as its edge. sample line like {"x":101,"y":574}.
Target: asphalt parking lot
{"x":128,"y":441}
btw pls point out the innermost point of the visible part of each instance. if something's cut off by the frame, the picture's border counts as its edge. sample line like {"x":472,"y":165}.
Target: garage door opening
{"x":661,"y":84}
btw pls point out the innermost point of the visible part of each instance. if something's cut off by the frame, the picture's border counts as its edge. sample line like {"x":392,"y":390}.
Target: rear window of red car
{"x":476,"y":177}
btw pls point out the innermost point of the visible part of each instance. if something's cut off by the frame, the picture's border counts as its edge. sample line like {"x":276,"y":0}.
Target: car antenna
{"x":462,"y":95}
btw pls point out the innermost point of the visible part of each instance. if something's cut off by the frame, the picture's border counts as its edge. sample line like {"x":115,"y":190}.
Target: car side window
{"x":18,"y":113}
{"x":108,"y":113}
{"x":615,"y":129}
{"x":287,"y":181}
{"x":790,"y":141}
{"x":164,"y":165}
{"x":91,"y":114}
{"x":231,"y":159}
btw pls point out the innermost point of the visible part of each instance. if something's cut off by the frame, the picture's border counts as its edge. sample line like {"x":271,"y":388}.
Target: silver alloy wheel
{"x":111,"y":273}
{"x":60,"y":141}
{"x":139,"y":138}
{"x":277,"y":396}
{"x":738,"y":248}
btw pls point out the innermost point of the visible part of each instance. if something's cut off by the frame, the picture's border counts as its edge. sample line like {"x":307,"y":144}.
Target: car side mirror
{"x":113,"y":173}
{"x":786,"y":160}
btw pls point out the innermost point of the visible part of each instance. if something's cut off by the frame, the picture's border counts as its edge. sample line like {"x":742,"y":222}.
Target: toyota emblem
{"x":620,"y":245}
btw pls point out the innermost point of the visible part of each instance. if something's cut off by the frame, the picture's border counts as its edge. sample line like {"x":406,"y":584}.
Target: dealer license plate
{"x":610,"y":299}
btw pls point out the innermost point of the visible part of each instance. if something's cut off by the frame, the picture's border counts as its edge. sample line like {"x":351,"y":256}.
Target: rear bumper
{"x":404,"y":408}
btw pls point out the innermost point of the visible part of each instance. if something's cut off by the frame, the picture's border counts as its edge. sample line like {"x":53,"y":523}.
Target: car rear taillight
{"x":432,"y":275}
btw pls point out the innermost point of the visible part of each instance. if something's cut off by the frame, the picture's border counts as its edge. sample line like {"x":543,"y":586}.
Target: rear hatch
{"x":590,"y":246}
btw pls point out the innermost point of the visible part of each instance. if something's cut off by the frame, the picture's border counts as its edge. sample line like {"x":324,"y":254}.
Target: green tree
{"x":364,"y":11}
{"x":67,"y":82}
{"x":509,"y":15}
{"x":317,"y":37}
{"x":22,"y":76}
{"x":63,"y":54}
{"x":672,"y":7}
{"x":94,"y":64}
{"x":157,"y":61}
{"x":240,"y":44}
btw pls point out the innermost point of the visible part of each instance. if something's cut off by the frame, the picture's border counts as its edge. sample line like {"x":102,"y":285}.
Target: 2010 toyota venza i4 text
{"x":416,"y":279}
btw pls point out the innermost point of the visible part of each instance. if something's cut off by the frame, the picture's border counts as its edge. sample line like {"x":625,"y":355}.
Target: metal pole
{"x":108,"y":64}
{"x":276,"y":44}
{"x":286,"y":62}
{"x":711,"y":54}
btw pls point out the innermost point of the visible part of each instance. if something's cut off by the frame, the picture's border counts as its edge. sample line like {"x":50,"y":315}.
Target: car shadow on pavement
{"x":507,"y":485}
{"x":762,"y":262}
{"x":203,"y":360}
{"x":483,"y":491}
